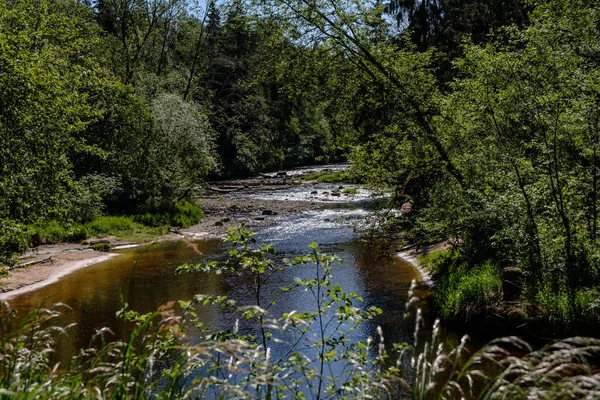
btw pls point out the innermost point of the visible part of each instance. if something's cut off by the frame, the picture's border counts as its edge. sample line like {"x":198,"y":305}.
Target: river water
{"x":147,"y":275}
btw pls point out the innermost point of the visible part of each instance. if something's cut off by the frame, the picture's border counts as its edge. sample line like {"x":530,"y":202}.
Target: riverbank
{"x":412,"y":253}
{"x":45,"y":264}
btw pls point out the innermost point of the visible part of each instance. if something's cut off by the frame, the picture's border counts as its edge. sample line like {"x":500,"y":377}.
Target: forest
{"x":483,"y":115}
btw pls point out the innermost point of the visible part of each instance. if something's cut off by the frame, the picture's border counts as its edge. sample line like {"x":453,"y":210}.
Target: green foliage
{"x":437,"y":261}
{"x":330,"y":177}
{"x":187,"y":214}
{"x":44,"y":104}
{"x":291,"y":353}
{"x":13,"y":241}
{"x":468,"y":293}
{"x":54,"y":232}
{"x":569,"y":311}
{"x":183,"y":215}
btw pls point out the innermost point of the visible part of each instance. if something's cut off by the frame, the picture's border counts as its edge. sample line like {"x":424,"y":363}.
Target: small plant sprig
{"x":300,"y":353}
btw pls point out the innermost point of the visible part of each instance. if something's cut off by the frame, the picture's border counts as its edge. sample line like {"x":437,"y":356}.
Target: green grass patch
{"x":464,"y":292}
{"x":136,"y":228}
{"x":104,"y":246}
{"x":438,"y":261}
{"x":183,"y":215}
{"x":330,"y":177}
{"x":570,"y":310}
{"x":54,"y":232}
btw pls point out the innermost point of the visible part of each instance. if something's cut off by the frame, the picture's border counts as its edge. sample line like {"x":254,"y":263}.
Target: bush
{"x":468,"y":292}
{"x":13,"y":241}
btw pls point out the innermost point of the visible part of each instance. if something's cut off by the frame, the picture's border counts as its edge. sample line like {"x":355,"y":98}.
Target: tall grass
{"x":465,"y":293}
{"x":137,"y":227}
{"x":156,"y":359}
{"x":567,"y":311}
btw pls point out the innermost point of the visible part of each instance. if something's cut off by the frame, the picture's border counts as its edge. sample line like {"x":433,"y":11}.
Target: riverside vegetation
{"x":299,"y":354}
{"x":484,"y":115}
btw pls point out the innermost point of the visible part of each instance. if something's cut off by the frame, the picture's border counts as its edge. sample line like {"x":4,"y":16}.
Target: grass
{"x":183,"y":215}
{"x":465,"y":293}
{"x":330,"y":177}
{"x":438,"y":260}
{"x":131,"y":228}
{"x":568,"y":311}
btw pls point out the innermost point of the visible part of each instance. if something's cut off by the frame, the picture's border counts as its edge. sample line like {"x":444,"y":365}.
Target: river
{"x":147,"y":274}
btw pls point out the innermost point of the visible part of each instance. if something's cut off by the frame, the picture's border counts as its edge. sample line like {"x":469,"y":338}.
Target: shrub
{"x":47,"y":232}
{"x":13,"y":241}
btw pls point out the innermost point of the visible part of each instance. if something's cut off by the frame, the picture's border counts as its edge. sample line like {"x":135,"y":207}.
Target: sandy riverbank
{"x":55,"y":266}
{"x":411,"y":256}
{"x":57,"y":260}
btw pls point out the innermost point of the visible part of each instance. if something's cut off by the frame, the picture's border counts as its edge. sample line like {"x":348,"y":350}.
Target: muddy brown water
{"x":148,"y":276}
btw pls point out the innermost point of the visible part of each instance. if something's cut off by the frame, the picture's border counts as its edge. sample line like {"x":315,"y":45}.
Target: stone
{"x":512,"y":283}
{"x":269,"y":212}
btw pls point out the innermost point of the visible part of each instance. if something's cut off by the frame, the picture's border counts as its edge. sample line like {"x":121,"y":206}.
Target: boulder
{"x":512,"y":283}
{"x":269,"y":212}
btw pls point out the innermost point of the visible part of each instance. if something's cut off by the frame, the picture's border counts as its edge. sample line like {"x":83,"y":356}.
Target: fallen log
{"x":30,"y":263}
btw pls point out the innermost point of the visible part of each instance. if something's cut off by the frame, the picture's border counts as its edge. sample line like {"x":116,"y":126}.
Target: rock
{"x":269,"y":212}
{"x":406,"y":208}
{"x":283,"y":173}
{"x":512,"y":283}
{"x":260,"y":218}
{"x":226,"y":220}
{"x":218,"y":223}
{"x":314,"y":192}
{"x":101,"y":241}
{"x":336,"y":194}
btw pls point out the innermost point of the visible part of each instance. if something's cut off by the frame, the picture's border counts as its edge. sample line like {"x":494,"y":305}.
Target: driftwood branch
{"x":30,"y":263}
